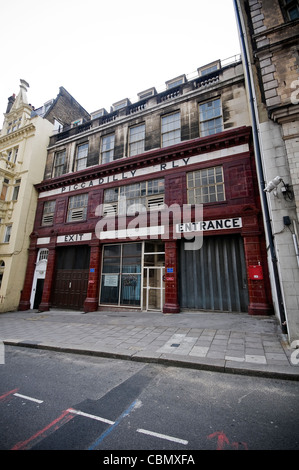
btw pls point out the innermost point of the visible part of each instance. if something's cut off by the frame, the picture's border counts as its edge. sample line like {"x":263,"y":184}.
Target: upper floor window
{"x":107,"y":148}
{"x":136,"y":140}
{"x":171,"y":129}
{"x":77,"y":209}
{"x":59,"y":163}
{"x":138,"y":197}
{"x":4,"y":189}
{"x":290,"y":9}
{"x":12,"y":155}
{"x":7,"y":233}
{"x":16,"y":190}
{"x":210,"y":116}
{"x":81,"y":157}
{"x":205,"y":186}
{"x":48,"y":212}
{"x":2,"y":267}
{"x":14,"y":125}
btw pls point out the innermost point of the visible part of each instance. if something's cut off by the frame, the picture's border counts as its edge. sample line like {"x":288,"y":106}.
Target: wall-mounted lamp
{"x":285,"y":190}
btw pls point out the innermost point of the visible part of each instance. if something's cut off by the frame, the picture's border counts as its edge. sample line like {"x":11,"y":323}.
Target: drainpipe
{"x":260,"y":172}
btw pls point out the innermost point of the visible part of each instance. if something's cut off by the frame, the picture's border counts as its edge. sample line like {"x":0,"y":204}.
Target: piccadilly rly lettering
{"x":124,"y":175}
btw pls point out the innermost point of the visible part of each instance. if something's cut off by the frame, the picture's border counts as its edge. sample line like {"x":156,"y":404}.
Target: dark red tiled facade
{"x":232,"y":149}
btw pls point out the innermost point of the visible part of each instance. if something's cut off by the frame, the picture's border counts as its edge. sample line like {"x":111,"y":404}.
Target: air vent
{"x":48,"y":219}
{"x":110,"y":209}
{"x":77,"y":214}
{"x":155,"y":202}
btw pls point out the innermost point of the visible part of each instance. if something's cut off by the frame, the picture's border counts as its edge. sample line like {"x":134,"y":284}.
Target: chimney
{"x":11,"y":101}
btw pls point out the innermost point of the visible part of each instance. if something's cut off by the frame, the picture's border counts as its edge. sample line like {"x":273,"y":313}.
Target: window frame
{"x":7,"y":234}
{"x":5,"y":189}
{"x":57,"y":166}
{"x":120,"y":204}
{"x":16,"y":189}
{"x":73,"y":213}
{"x":203,"y":120}
{"x":48,"y":215}
{"x":286,"y":6}
{"x":168,"y":134}
{"x":139,"y":143}
{"x":107,"y":151}
{"x":201,"y":192}
{"x":79,"y":159}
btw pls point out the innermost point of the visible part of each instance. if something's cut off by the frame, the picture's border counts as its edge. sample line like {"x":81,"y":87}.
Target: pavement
{"x":235,"y":343}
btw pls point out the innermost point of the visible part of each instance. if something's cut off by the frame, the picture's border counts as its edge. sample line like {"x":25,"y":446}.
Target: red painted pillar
{"x":26,"y":291}
{"x":92,"y":300}
{"x":49,"y":279}
{"x":258,"y":289}
{"x":171,"y":278}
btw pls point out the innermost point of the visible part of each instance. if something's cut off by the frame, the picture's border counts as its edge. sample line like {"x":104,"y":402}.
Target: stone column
{"x":92,"y":300}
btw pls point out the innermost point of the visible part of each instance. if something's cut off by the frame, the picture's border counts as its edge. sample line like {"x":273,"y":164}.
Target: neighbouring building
{"x":112,"y":228}
{"x":24,"y":140}
{"x":269,"y":34}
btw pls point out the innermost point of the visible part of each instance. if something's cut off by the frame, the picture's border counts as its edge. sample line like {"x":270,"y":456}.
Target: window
{"x":206,"y":185}
{"x":209,"y":68}
{"x":48,"y":213}
{"x":81,"y":157}
{"x":121,"y":274}
{"x":107,"y":149}
{"x":16,"y":190}
{"x":290,"y":9}
{"x":7,"y":234}
{"x":4,"y":189}
{"x":138,"y":197}
{"x":136,"y":140}
{"x":210,"y":115}
{"x":176,"y":81}
{"x":171,"y":129}
{"x":14,"y":125}
{"x":2,"y":266}
{"x":77,"y":209}
{"x":59,"y":163}
{"x":43,"y":254}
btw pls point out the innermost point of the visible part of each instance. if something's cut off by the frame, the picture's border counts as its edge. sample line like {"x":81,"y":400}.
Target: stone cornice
{"x":19,"y":133}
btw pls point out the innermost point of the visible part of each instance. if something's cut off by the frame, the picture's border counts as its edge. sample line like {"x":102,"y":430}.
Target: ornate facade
{"x":154,"y":205}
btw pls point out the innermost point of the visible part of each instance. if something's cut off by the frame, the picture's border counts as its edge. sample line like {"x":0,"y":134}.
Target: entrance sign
{"x":206,"y":225}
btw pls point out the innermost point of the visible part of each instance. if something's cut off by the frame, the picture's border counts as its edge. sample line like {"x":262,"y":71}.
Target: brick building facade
{"x":119,"y":221}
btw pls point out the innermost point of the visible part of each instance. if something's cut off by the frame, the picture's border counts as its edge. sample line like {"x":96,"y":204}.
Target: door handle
{"x":70,"y":285}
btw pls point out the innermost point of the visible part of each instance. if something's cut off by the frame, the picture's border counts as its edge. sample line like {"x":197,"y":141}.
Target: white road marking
{"x":87,"y":415}
{"x":162,"y":436}
{"x":28,"y":398}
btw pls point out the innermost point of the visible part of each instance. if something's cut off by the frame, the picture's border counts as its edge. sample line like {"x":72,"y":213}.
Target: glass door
{"x":153,"y":275}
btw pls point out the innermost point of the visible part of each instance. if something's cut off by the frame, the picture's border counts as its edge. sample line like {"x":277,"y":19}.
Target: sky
{"x":104,"y":51}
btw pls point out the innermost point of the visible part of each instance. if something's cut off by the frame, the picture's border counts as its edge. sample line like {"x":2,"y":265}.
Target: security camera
{"x":273,"y":184}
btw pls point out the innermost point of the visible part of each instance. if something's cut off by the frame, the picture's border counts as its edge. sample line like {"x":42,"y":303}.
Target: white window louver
{"x":77,"y":214}
{"x":110,"y":209}
{"x":48,"y":219}
{"x":154,"y":202}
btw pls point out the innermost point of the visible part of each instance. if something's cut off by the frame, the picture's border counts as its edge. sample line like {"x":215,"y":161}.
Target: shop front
{"x":133,"y":275}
